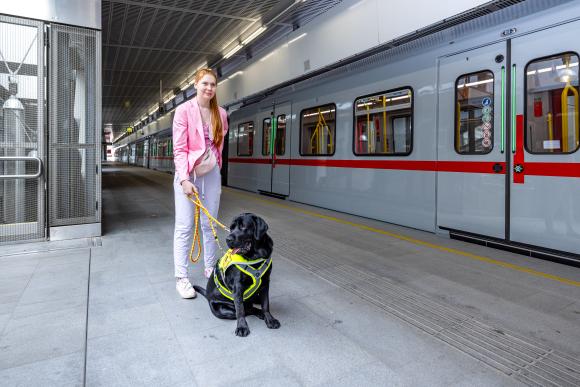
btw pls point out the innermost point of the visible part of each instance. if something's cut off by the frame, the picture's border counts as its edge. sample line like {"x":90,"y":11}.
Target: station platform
{"x":360,"y":302}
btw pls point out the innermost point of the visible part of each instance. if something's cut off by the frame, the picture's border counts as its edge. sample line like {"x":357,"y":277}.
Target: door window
{"x":474,"y":113}
{"x":280,"y":139}
{"x":266,"y":136}
{"x":246,"y":139}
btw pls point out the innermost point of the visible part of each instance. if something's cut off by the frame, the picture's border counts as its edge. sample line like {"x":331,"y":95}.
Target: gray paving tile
{"x":4,"y":318}
{"x":13,"y":267}
{"x":62,"y":371}
{"x":8,"y":301}
{"x":402,"y":348}
{"x":372,"y":374}
{"x":289,"y":279}
{"x":306,"y":347}
{"x":572,"y":312}
{"x":264,"y":370}
{"x":42,"y":337}
{"x":31,"y":309}
{"x":52,"y":287}
{"x":149,"y":356}
{"x":106,"y":319}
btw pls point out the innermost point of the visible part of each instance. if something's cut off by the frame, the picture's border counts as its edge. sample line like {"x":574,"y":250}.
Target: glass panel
{"x":474,"y":113}
{"x":75,"y":132}
{"x":21,"y":130}
{"x":318,"y":130}
{"x":245,"y":139}
{"x":383,"y":123}
{"x":552,"y":105}
{"x":280,"y":140}
{"x":266,"y":134}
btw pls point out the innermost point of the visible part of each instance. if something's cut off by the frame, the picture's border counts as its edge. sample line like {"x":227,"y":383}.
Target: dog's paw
{"x":242,"y":331}
{"x":273,"y":323}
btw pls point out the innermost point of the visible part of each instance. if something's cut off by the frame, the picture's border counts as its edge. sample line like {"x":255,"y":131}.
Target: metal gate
{"x":74,"y":188}
{"x":50,"y":181}
{"x":22,"y":150}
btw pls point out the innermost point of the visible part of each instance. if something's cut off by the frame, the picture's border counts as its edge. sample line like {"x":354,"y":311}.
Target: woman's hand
{"x":188,"y":187}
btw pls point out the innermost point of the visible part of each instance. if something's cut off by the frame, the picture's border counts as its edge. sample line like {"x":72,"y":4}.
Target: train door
{"x":22,"y":131}
{"x":274,"y":146}
{"x":471,"y":182}
{"x":545,"y":187}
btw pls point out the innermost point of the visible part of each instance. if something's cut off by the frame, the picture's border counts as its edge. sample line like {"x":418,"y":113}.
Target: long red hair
{"x":216,"y":120}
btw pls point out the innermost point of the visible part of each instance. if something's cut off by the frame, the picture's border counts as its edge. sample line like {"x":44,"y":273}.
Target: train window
{"x":552,"y":105}
{"x":266,"y":135}
{"x":279,"y":136}
{"x":246,"y":139}
{"x":317,"y":134}
{"x":474,"y":113}
{"x":383,"y":123}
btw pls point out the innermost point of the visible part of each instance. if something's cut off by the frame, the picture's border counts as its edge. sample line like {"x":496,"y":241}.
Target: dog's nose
{"x":229,"y":239}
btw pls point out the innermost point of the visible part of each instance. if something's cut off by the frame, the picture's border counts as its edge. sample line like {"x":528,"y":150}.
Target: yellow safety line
{"x":422,"y":243}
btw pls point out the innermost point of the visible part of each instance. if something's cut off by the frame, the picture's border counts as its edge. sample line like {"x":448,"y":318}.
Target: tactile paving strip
{"x":527,"y":361}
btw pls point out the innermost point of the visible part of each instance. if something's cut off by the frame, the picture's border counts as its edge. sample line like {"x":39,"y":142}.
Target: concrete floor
{"x":383,"y":305}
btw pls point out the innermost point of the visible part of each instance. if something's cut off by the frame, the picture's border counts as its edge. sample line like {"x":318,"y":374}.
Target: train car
{"x":161,"y":156}
{"x":477,"y":137}
{"x":142,"y":152}
{"x":121,"y":154}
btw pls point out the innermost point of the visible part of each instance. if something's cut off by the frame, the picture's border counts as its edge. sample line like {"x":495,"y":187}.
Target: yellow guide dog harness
{"x":246,"y":267}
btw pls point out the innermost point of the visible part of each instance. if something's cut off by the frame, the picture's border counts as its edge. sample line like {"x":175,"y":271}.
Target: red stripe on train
{"x":552,"y":169}
{"x":531,"y":168}
{"x":403,"y":165}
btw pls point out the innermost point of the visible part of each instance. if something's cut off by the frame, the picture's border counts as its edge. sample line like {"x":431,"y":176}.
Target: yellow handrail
{"x":564,"y":99}
{"x":315,"y":133}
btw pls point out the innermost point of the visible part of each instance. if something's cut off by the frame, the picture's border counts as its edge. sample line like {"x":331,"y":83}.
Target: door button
{"x":497,"y":168}
{"x":518,"y":168}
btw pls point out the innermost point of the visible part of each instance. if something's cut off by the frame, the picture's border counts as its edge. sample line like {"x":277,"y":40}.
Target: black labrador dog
{"x":249,"y":239}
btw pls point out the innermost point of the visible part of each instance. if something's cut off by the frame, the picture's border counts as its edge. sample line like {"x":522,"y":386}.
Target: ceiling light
{"x":254,"y":35}
{"x":267,"y":56}
{"x":233,"y":51}
{"x":235,"y":74}
{"x":296,"y":38}
{"x":475,"y":83}
{"x":317,"y":113}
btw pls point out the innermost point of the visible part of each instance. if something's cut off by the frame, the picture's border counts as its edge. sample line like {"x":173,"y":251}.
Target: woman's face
{"x":206,"y":86}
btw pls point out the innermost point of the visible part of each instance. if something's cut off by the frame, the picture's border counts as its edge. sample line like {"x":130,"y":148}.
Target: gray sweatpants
{"x":209,"y":187}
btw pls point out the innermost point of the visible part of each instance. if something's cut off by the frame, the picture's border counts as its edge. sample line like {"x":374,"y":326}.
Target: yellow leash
{"x":196,"y":237}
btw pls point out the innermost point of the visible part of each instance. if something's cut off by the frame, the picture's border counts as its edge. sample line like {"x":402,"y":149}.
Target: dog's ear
{"x":260,"y":227}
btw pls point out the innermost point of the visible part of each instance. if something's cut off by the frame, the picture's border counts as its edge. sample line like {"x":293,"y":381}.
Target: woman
{"x":199,"y":124}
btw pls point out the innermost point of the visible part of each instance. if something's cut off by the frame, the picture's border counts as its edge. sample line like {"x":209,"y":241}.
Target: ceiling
{"x":148,"y":42}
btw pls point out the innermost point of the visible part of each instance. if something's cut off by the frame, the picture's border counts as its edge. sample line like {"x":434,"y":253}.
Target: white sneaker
{"x":184,"y":288}
{"x":208,"y":272}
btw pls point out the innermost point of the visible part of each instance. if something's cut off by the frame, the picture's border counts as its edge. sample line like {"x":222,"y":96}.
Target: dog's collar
{"x":229,"y":258}
{"x":246,"y":267}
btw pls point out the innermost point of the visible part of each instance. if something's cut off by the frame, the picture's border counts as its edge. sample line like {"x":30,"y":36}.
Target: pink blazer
{"x":188,"y":139}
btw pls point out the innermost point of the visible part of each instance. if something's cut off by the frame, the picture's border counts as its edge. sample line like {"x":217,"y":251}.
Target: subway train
{"x":477,"y":137}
